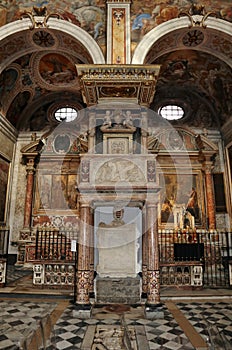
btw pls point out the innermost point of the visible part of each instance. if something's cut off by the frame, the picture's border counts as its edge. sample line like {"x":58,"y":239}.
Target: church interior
{"x":115,"y":174}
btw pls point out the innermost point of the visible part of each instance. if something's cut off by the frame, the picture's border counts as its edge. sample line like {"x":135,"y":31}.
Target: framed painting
{"x":183,"y":192}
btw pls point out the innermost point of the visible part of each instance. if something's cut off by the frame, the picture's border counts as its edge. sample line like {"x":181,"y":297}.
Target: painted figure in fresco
{"x":192,"y":205}
{"x":138,"y":20}
{"x":72,"y":195}
{"x":45,"y":194}
{"x":166,"y":210}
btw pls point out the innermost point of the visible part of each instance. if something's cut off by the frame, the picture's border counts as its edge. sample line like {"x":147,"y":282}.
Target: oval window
{"x":66,"y":114}
{"x":171,"y":112}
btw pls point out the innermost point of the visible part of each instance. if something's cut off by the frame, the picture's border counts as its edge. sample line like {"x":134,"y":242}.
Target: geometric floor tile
{"x":68,"y":332}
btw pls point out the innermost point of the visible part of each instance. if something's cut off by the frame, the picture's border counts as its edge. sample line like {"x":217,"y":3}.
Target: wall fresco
{"x":91,"y":14}
{"x":152,"y":13}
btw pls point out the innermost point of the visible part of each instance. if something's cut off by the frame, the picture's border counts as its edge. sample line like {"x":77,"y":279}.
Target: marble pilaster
{"x":153,"y":285}
{"x":210,"y":195}
{"x":29,"y":193}
{"x":91,"y":278}
{"x":83,"y":264}
{"x":144,"y":254}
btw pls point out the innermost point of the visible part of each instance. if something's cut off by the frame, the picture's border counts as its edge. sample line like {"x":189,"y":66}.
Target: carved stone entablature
{"x":119,"y":1}
{"x":110,"y":82}
{"x":31,"y":152}
{"x":179,"y":140}
{"x":66,"y":142}
{"x":117,"y":171}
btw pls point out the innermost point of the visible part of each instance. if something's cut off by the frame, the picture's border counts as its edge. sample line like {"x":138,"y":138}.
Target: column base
{"x":154,"y":311}
{"x":82,"y":311}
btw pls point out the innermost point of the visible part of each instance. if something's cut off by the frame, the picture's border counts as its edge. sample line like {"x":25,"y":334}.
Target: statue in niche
{"x":82,"y":142}
{"x":128,"y":122}
{"x":107,"y":119}
{"x":120,"y":120}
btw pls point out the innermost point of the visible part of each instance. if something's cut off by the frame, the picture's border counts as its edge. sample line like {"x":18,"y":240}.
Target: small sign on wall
{"x":73,"y":245}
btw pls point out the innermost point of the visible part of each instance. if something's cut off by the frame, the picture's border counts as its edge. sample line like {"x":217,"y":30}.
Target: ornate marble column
{"x":153,"y":271}
{"x":144,"y":254}
{"x":210,"y":202}
{"x":91,"y":280}
{"x":83,"y":263}
{"x":29,"y":192}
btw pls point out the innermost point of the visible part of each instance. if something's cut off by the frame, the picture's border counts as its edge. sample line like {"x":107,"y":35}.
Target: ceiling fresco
{"x":38,"y":66}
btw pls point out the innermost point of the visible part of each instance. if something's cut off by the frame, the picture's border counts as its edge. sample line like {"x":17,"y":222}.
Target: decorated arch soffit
{"x":39,"y":64}
{"x":196,"y":64}
{"x":214,"y":39}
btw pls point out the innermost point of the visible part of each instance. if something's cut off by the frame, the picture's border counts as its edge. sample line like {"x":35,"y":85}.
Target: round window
{"x":66,"y":114}
{"x":171,"y":112}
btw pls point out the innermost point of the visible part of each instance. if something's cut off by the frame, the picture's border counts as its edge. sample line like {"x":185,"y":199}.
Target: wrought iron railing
{"x":55,"y":258}
{"x":54,"y":243}
{"x":211,"y":248}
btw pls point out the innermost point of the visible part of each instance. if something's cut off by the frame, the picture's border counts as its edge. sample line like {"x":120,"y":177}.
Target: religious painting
{"x":45,"y":191}
{"x":56,"y":69}
{"x":4,"y":174}
{"x":56,"y":192}
{"x":72,"y":194}
{"x":179,"y":193}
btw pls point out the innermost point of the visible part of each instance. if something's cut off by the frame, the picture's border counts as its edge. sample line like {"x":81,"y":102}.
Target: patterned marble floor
{"x":19,"y":319}
{"x":14,"y":274}
{"x":20,"y":315}
{"x":207,"y":315}
{"x":68,"y":332}
{"x":162,"y":334}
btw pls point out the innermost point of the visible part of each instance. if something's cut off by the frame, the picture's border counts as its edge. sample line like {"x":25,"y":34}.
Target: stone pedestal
{"x":118,"y":290}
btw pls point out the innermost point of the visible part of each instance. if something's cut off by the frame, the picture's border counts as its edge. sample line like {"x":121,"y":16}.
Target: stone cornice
{"x":102,"y":82}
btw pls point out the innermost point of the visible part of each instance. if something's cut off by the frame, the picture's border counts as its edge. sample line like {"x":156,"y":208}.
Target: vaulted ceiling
{"x":38,"y":71}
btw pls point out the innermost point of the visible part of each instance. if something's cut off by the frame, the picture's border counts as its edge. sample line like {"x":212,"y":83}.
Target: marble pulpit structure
{"x":122,"y":175}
